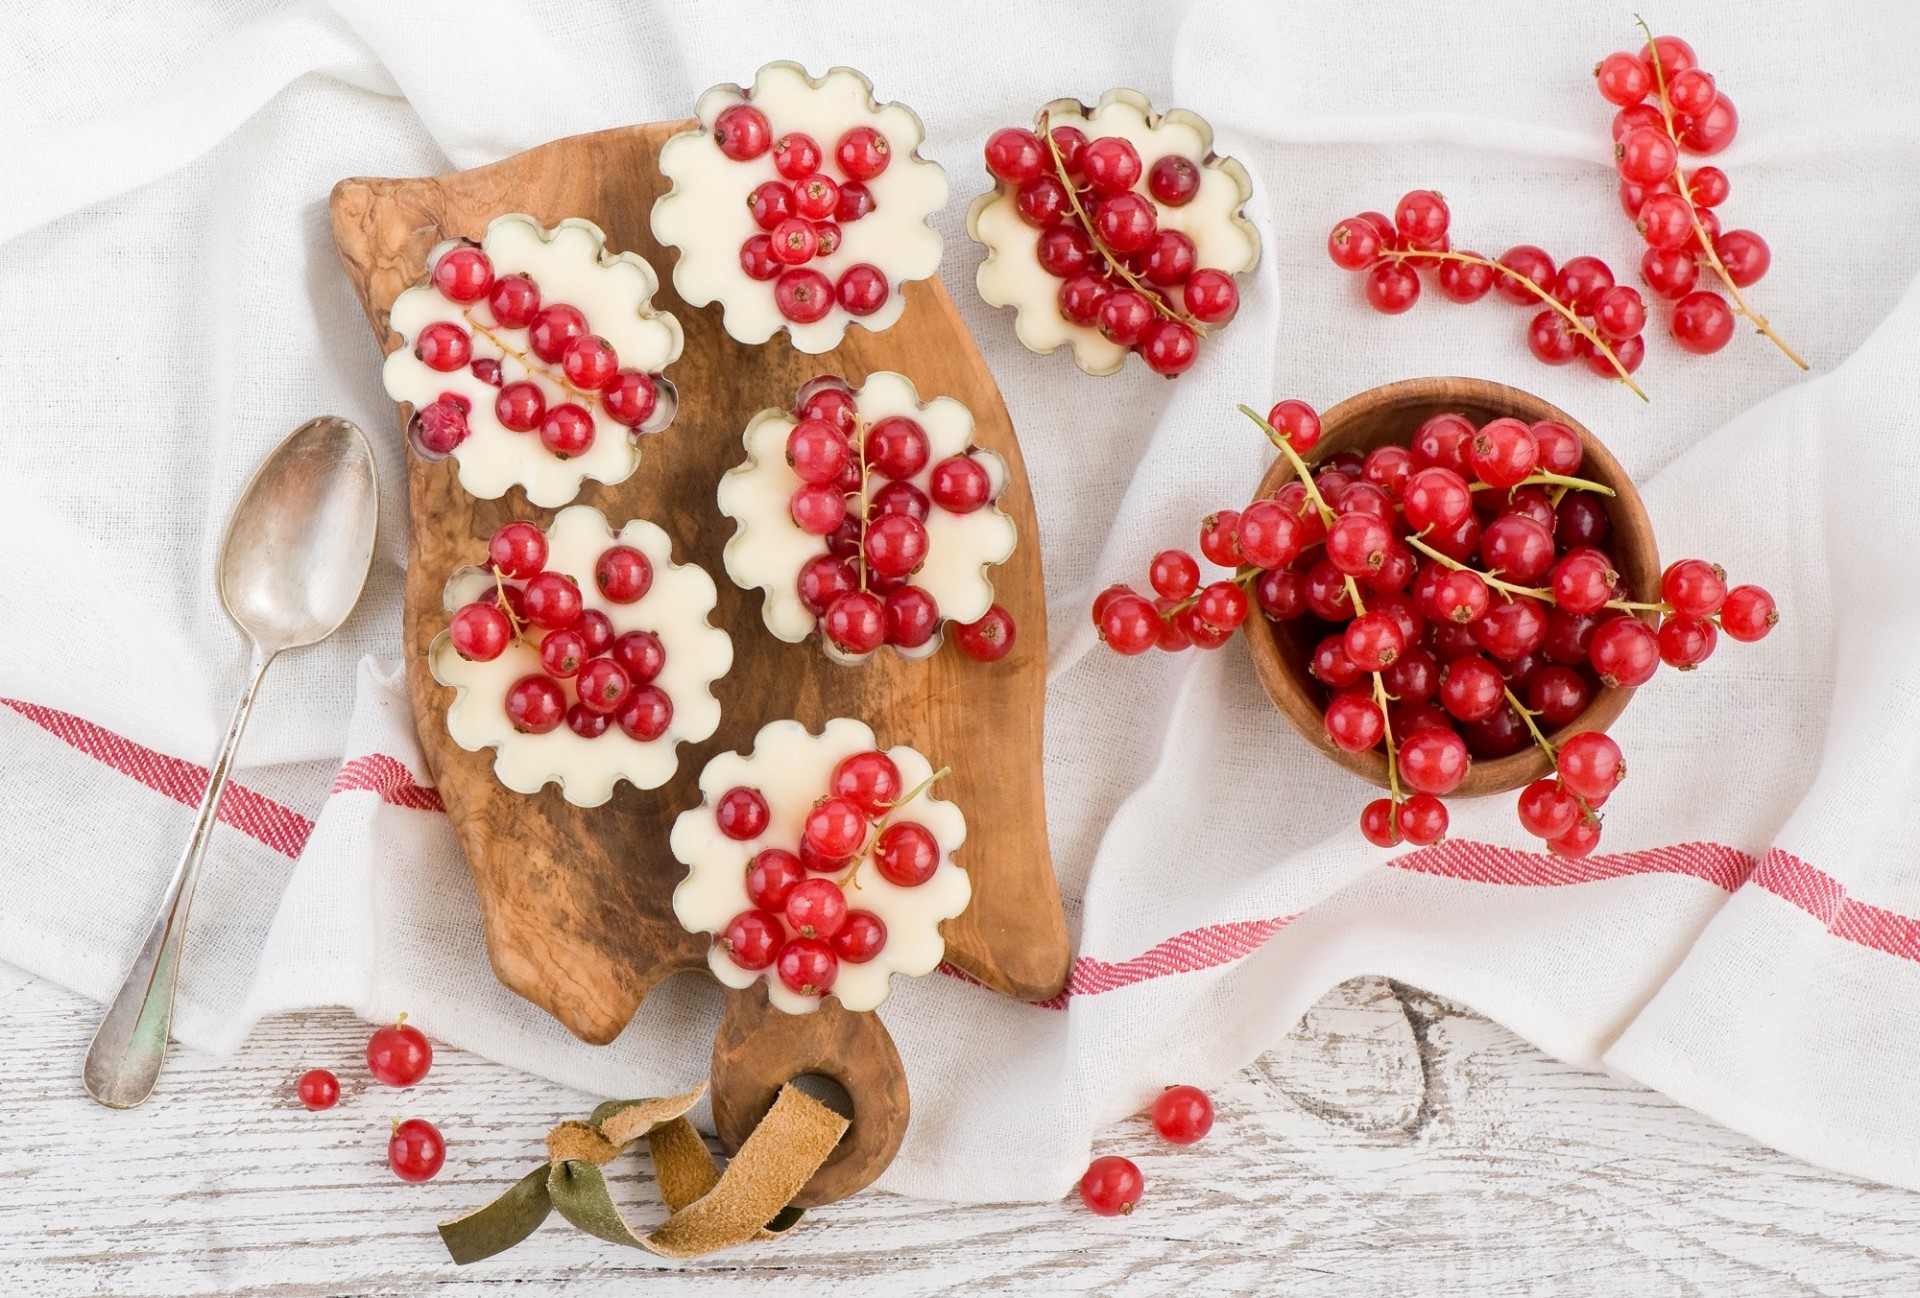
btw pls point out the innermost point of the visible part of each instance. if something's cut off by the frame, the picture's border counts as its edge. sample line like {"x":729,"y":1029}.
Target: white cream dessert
{"x":820,"y":865}
{"x":1113,"y":230}
{"x":887,"y":555}
{"x":534,"y":358}
{"x":582,"y":655}
{"x":800,"y":204}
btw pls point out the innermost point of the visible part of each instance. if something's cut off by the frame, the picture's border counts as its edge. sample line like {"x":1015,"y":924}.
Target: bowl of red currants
{"x":1476,"y":656}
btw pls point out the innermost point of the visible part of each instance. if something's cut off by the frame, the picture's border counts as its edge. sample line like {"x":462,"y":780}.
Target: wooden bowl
{"x":1389,"y":415}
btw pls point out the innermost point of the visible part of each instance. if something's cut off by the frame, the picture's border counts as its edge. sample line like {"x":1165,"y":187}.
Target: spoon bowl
{"x":300,"y":542}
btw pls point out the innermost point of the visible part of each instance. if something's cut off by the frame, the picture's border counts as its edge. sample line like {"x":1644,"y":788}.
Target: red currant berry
{"x":1421,"y":217}
{"x":808,"y":966}
{"x":1702,"y":322}
{"x":870,"y":781}
{"x":562,"y":653}
{"x":1517,"y":548}
{"x":1422,"y":820}
{"x":1126,"y":223}
{"x":590,"y":363}
{"x":640,"y":655}
{"x":1472,"y":688}
{"x":1665,"y":221}
{"x":1297,"y":424}
{"x":896,"y":545}
{"x":1182,"y":1114}
{"x":1211,"y":296}
{"x":1744,"y":254}
{"x":816,"y":451}
{"x":630,"y":398}
{"x":587,"y":723}
{"x":463,"y":275}
{"x":856,"y":200}
{"x":444,"y":346}
{"x":1503,"y":453}
{"x":1357,"y":544}
{"x":518,"y":550}
{"x":1529,"y":263}
{"x":1623,"y":79}
{"x":796,"y":155}
{"x":415,"y":1150}
{"x":399,"y":1054}
{"x":1378,"y":824}
{"x":1465,"y":281}
{"x":1461,"y":597}
{"x":960,"y":484}
{"x":1373,"y":641}
{"x":816,"y":908}
{"x":1748,"y":613}
{"x":1354,"y":244}
{"x":319,"y":1089}
{"x":989,"y":639}
{"x":1354,"y":722}
{"x":860,"y":938}
{"x":1042,"y":202}
{"x":1619,"y":314}
{"x":752,"y":938}
{"x":566,"y":430}
{"x":771,"y":204}
{"x":1170,"y":348}
{"x":553,"y":600}
{"x":1392,"y":287}
{"x":1220,"y":538}
{"x":1173,"y":180}
{"x":1695,"y":588}
{"x":440,"y":426}
{"x":856,"y":623}
{"x":514,"y":301}
{"x":553,"y":330}
{"x":906,"y":854}
{"x":1552,"y":338}
{"x":520,"y":407}
{"x":1065,"y":250}
{"x":646,"y":714}
{"x":742,"y":132}
{"x":1436,"y":499}
{"x":1111,"y":165}
{"x":1129,"y":624}
{"x":1686,"y":643}
{"x":816,"y":198}
{"x":803,"y":296}
{"x":480,"y":632}
{"x":896,"y":447}
{"x":1671,"y":274}
{"x":1434,"y":761}
{"x":1071,"y":144}
{"x":604,"y":686}
{"x":1645,"y":155}
{"x":823,"y":580}
{"x":1709,"y":186}
{"x":1511,"y":627}
{"x":1546,"y":810}
{"x":862,"y":153}
{"x":1590,"y":765}
{"x":742,"y":813}
{"x":1124,"y":316}
{"x":1581,"y":281}
{"x":623,"y":574}
{"x":817,"y":508}
{"x":1625,"y":653}
{"x":1080,"y":297}
{"x":1111,"y":1185}
{"x":862,"y":289}
{"x":1710,"y":131}
{"x":1015,"y":155}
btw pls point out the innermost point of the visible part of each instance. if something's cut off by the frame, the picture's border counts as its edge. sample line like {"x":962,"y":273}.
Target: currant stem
{"x":519,"y":631}
{"x":851,"y":879}
{"x":1114,"y":263}
{"x":1699,"y":229}
{"x":1447,"y":560}
{"x":527,"y":363}
{"x":1573,"y":317}
{"x":1526,"y":715}
{"x":1393,"y":755}
{"x":860,"y":449}
{"x":1553,"y":480}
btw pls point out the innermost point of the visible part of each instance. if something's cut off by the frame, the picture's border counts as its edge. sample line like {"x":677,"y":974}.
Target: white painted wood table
{"x":1395,"y":1144}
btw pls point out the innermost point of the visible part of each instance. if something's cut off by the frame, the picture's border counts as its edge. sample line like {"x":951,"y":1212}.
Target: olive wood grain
{"x":1390,"y":414}
{"x":577,"y":903}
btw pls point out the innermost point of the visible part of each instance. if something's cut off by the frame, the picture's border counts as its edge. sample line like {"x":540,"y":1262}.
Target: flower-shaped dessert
{"x":800,"y":205}
{"x":820,"y":864}
{"x":582,"y":655}
{"x":870,"y":515}
{"x":534,"y":358}
{"x":1114,"y":229}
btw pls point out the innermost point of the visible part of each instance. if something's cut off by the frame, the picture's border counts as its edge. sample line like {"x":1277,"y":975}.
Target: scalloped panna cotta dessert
{"x":534,"y":358}
{"x":582,"y":655}
{"x":870,"y":515}
{"x":821,"y":865}
{"x":801,"y":204}
{"x":1112,"y":230}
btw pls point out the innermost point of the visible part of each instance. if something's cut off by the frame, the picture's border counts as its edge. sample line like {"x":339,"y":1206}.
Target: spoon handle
{"x":131,"y":1043}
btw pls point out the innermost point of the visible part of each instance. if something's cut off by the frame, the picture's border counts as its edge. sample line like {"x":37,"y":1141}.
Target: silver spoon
{"x":292,"y":566}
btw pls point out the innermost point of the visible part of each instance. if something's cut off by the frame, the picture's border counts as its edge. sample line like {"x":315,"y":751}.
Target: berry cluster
{"x":1100,"y":212}
{"x":801,"y":213}
{"x":1111,"y":1186}
{"x":800,"y":923}
{"x":1464,"y":596}
{"x":1586,"y":316}
{"x":1669,"y":105}
{"x":589,"y":677}
{"x":398,"y":1055}
{"x":566,"y":375}
{"x":868,"y":489}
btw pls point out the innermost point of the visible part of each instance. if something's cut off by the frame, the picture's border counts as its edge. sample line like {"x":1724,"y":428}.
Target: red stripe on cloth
{"x":390,"y":778}
{"x":1822,"y":896}
{"x":1725,"y":868}
{"x":259,"y":817}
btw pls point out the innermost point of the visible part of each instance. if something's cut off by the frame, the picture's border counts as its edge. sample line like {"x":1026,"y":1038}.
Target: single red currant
{"x":1111,"y":1185}
{"x":1182,"y":1114}
{"x":464,"y":274}
{"x":415,"y":1150}
{"x":480,"y":632}
{"x":1422,"y":820}
{"x":1590,"y":765}
{"x":1173,"y":180}
{"x":989,"y":639}
{"x":860,"y":938}
{"x":816,"y":908}
{"x":752,"y":938}
{"x":906,"y":854}
{"x":1748,"y":613}
{"x":553,"y":600}
{"x":742,"y":813}
{"x":646,"y":714}
{"x":640,"y":655}
{"x":399,"y":1054}
{"x":742,"y":132}
{"x":319,"y":1089}
{"x":1015,"y":155}
{"x":623,"y":574}
{"x":803,"y":296}
{"x":444,"y":346}
{"x":808,"y":966}
{"x":960,"y":484}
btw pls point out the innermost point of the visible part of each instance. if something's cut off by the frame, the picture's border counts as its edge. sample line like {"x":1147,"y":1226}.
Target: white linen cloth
{"x":171,"y":305}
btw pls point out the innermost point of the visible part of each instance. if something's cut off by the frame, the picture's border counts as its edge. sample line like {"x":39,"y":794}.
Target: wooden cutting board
{"x":577,"y":903}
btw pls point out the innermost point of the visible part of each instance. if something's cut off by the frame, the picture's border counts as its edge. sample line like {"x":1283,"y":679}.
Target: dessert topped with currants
{"x":1114,"y":230}
{"x":534,"y":358}
{"x":583,"y":655}
{"x":870,"y":515}
{"x":800,"y":204}
{"x":1462,"y":601}
{"x":820,"y":864}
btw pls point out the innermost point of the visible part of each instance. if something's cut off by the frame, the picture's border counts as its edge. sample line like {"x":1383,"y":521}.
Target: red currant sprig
{"x":1587,"y":317}
{"x":1669,"y":105}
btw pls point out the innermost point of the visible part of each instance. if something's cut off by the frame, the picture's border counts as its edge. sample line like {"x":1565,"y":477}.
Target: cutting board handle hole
{"x":827,"y":1090}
